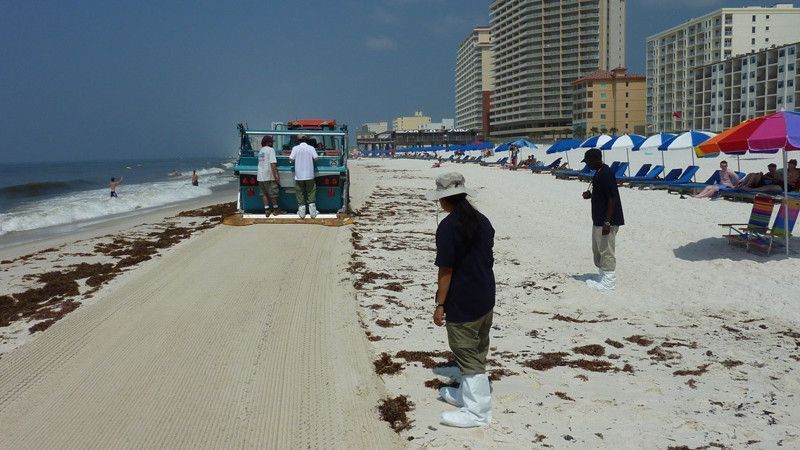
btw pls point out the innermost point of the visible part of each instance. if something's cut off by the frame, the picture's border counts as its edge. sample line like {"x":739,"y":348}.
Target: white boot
{"x":452,"y":395}
{"x":607,"y":283}
{"x":312,"y":209}
{"x":301,"y":211}
{"x":477,"y":409}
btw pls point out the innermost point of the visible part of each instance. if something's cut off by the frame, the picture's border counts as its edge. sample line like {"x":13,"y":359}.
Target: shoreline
{"x":20,"y":242}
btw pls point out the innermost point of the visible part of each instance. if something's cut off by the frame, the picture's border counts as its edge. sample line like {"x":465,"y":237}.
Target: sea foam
{"x":95,"y":204}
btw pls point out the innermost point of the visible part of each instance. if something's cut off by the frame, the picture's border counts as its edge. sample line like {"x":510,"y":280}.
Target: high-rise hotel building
{"x":674,"y":55}
{"x":540,"y":48}
{"x":474,"y":81}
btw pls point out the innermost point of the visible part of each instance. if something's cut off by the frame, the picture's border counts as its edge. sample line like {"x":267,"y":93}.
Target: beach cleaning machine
{"x":330,"y":170}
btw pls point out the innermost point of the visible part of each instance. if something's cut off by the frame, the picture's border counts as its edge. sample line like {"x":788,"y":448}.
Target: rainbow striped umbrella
{"x":766,"y":134}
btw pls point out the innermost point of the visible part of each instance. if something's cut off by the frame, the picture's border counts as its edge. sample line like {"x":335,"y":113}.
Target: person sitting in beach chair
{"x":793,"y":181}
{"x":727,"y":179}
{"x":757,"y":180}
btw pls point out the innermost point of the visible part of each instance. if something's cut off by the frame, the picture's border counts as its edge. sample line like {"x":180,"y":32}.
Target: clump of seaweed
{"x":394,"y":410}
{"x":385,"y":366}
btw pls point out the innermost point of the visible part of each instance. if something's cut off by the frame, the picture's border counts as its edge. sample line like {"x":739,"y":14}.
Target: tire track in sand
{"x":242,"y":338}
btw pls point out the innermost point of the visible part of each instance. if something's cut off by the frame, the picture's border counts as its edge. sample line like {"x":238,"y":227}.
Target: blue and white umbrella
{"x":653,"y":142}
{"x":596,"y":141}
{"x":686,"y":141}
{"x":564,"y":146}
{"x":626,"y":141}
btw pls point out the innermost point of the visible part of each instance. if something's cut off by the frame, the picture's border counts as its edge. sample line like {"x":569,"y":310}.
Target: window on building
{"x":767,"y":16}
{"x":626,"y":84}
{"x":766,"y":40}
{"x":767,"y":27}
{"x":626,"y":95}
{"x":791,"y":66}
{"x":744,"y":103}
{"x":752,"y":89}
{"x":791,"y":50}
{"x":753,"y":30}
{"x":626,"y":115}
{"x":780,"y":69}
{"x":752,"y":103}
{"x":790,"y":99}
{"x":780,"y":84}
{"x":626,"y":104}
{"x":752,"y":60}
{"x":790,"y":83}
{"x":602,"y":116}
{"x":754,"y":18}
{"x":744,"y":90}
{"x":603,"y":95}
{"x":780,"y":100}
{"x":781,"y":52}
{"x":602,"y":85}
{"x":602,"y":106}
{"x":591,"y":94}
{"x":589,"y":115}
{"x":753,"y":41}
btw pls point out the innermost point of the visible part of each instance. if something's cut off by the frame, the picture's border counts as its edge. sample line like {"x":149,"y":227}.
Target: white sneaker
{"x":452,"y":395}
{"x":607,"y":283}
{"x":312,"y":209}
{"x":301,"y":211}
{"x":477,"y":409}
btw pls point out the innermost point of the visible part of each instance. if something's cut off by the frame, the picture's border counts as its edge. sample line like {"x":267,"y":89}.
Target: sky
{"x":112,"y":79}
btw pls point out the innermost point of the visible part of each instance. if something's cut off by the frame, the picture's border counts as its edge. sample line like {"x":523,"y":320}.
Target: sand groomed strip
{"x":247,"y":337}
{"x":698,"y":348}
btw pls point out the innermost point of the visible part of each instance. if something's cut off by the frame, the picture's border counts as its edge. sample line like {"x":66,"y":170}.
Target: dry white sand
{"x":717,"y":357}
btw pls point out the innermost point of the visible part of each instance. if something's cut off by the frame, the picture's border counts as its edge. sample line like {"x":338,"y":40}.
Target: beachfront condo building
{"x":474,"y":80}
{"x":415,"y":122}
{"x":375,"y":127}
{"x":746,"y":86}
{"x":540,"y":48}
{"x":674,"y":55}
{"x":608,"y":101}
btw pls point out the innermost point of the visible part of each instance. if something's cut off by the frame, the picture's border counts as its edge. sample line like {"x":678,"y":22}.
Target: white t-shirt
{"x":303,"y":156}
{"x":266,"y":156}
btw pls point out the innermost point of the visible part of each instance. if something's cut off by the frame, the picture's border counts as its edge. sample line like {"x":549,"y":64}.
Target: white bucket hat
{"x":447,"y":184}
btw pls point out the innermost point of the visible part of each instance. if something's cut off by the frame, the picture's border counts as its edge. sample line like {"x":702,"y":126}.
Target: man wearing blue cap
{"x":607,"y":217}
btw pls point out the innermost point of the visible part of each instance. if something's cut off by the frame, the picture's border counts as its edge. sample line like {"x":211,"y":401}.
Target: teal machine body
{"x":330,"y":169}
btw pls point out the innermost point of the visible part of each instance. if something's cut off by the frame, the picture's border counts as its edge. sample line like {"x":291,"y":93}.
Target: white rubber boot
{"x":452,"y":395}
{"x":607,"y":283}
{"x":477,"y":409}
{"x":312,"y":209}
{"x":301,"y":211}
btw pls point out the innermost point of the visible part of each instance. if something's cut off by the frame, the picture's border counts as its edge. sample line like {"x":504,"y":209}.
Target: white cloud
{"x":380,"y":43}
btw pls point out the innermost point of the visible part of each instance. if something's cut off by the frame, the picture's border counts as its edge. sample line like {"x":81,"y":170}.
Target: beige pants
{"x":603,"y":248}
{"x":469,"y":341}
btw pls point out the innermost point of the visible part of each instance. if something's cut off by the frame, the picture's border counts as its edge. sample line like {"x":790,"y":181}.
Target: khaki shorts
{"x":469,"y":341}
{"x":268,"y":188}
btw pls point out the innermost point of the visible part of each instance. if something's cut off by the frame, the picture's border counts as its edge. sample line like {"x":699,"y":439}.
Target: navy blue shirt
{"x":472,"y":288}
{"x":604,"y":187}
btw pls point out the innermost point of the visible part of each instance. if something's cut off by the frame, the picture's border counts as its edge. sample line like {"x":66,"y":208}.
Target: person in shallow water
{"x":195,"y":178}
{"x":113,"y":185}
{"x":465,"y":299}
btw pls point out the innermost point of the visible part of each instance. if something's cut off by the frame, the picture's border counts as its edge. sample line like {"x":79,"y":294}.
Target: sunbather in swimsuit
{"x":727,"y":179}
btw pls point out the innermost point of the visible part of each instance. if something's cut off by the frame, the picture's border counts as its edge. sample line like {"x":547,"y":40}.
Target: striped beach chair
{"x":740,"y":233}
{"x":764,"y":239}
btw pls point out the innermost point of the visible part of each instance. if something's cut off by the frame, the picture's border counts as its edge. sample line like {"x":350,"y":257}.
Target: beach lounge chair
{"x":614,"y":168}
{"x":552,"y":166}
{"x":571,"y":173}
{"x":642,"y":171}
{"x":651,"y":175}
{"x":683,"y":188}
{"x":685,"y":177}
{"x":477,"y":160}
{"x":499,"y":162}
{"x":623,"y":167}
{"x":739,"y":233}
{"x":764,"y":239}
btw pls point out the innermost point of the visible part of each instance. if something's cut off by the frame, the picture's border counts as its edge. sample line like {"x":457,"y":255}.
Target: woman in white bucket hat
{"x":465,"y":298}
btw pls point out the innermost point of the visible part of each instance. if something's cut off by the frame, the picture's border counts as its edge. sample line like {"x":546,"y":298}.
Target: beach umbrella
{"x":767,"y":134}
{"x":686,"y":141}
{"x":626,"y":141}
{"x":653,"y":142}
{"x":520,"y":143}
{"x":564,"y":146}
{"x":596,"y":141}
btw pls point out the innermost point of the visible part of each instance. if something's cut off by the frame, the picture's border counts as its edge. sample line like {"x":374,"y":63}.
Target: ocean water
{"x":38,"y":195}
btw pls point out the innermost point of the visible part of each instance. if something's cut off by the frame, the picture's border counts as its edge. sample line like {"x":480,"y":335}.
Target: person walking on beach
{"x":465,"y":298}
{"x":113,"y":185}
{"x":607,"y":217}
{"x":305,"y":186}
{"x":195,"y":179}
{"x":514,"y":152}
{"x":267,"y":175}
